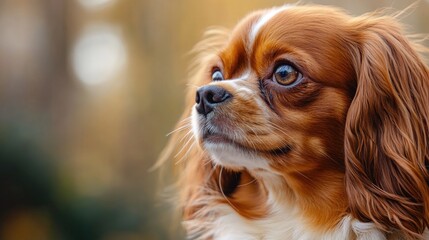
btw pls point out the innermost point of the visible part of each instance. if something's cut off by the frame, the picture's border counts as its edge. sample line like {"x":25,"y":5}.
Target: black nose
{"x":208,"y":97}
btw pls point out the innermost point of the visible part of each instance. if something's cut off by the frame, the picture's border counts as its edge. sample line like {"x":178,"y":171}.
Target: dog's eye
{"x":286,"y":75}
{"x":217,"y":75}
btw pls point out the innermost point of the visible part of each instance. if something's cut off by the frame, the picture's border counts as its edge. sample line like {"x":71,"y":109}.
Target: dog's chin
{"x":234,"y":156}
{"x":231,"y":157}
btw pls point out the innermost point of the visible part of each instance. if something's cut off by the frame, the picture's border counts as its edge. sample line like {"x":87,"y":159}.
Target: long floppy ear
{"x":387,"y":130}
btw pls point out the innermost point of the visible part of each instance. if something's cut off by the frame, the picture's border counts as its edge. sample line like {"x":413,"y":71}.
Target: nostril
{"x":217,"y":95}
{"x":215,"y":98}
{"x":222,"y":97}
{"x":208,"y":97}
{"x":197,"y":97}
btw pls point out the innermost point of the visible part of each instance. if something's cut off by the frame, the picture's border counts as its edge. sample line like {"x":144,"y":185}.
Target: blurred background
{"x":88,"y":91}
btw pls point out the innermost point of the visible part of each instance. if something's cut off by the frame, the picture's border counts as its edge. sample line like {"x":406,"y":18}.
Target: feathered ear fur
{"x":387,"y":130}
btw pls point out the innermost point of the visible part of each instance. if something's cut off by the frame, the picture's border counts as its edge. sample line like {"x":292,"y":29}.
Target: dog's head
{"x":331,"y":103}
{"x":277,"y":95}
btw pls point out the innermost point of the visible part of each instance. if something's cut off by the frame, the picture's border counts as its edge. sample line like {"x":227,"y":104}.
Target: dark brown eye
{"x":217,"y":76}
{"x":286,"y":75}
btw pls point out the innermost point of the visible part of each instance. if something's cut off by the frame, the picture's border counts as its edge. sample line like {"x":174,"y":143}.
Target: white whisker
{"x":246,"y":184}
{"x":186,"y":154}
{"x":192,"y":85}
{"x":184,"y":146}
{"x":179,"y":129}
{"x":186,"y":135}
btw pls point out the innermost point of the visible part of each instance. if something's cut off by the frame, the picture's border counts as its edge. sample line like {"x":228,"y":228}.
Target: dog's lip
{"x":209,"y":137}
{"x":219,"y":138}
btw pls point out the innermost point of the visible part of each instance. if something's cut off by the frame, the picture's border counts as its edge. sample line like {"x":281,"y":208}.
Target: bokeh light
{"x":99,"y":54}
{"x":95,"y":4}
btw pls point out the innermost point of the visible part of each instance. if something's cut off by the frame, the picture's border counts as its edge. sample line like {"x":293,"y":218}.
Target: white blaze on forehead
{"x":262,"y":21}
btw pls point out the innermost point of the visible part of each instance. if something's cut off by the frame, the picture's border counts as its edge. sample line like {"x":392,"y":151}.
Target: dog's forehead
{"x":263,"y":19}
{"x":242,"y":40}
{"x":314,"y":38}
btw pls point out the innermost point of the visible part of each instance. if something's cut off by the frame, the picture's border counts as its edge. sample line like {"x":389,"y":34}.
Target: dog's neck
{"x":318,"y":195}
{"x":287,"y":206}
{"x":270,"y":205}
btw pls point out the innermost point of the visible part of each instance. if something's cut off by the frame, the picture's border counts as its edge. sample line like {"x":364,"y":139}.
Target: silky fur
{"x":342,"y":155}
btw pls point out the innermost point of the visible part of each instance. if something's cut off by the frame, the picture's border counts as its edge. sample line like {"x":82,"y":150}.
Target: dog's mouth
{"x":221,"y":138}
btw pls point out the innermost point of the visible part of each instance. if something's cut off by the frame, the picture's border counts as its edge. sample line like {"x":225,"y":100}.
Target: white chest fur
{"x":283,"y":224}
{"x":231,"y":226}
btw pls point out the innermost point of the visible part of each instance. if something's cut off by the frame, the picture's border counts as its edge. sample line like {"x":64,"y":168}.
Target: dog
{"x":306,"y":123}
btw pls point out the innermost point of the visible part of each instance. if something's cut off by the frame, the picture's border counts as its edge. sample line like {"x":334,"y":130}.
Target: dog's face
{"x":276,"y":96}
{"x":334,"y":107}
